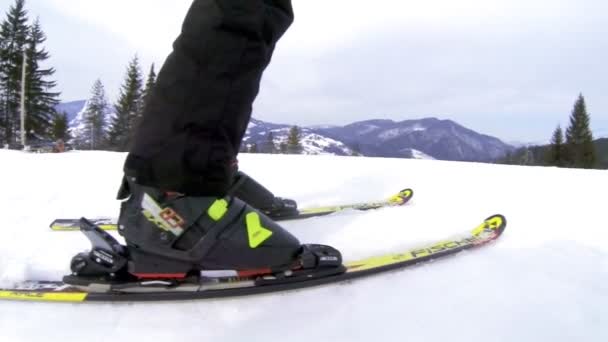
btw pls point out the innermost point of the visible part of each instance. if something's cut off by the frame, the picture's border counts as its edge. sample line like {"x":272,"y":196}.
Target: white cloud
{"x":150,"y":26}
{"x":346,"y":60}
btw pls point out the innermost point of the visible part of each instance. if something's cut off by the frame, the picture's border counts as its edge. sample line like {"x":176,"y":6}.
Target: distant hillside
{"x":441,"y":139}
{"x":312,"y":143}
{"x":420,"y":139}
{"x":429,"y":138}
{"x":75,"y":111}
{"x":71,"y":108}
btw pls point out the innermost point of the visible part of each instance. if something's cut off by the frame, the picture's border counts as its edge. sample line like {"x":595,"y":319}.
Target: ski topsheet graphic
{"x":218,"y":284}
{"x":400,"y":198}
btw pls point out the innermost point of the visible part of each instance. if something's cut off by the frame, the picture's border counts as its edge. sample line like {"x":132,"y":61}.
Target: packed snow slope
{"x":546,"y":279}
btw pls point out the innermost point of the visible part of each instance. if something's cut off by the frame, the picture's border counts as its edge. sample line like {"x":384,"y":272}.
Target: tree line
{"x":103,"y":126}
{"x":574,"y":148}
{"x":21,"y":44}
{"x":21,"y":48}
{"x":107,"y":129}
{"x":115,"y":132}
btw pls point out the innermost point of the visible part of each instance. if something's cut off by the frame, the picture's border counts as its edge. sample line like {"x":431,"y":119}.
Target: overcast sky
{"x":508,"y":68}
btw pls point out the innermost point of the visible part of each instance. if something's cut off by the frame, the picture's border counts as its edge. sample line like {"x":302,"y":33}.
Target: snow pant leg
{"x":197,"y":113}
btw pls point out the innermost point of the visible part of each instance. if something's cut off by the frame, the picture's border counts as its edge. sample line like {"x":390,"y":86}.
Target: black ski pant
{"x":197,"y":113}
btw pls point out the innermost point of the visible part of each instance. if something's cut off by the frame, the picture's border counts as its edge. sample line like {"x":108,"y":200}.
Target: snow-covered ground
{"x":546,"y":279}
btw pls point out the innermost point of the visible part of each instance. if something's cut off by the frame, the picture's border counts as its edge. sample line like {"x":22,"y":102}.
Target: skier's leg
{"x":201,"y":106}
{"x":199,"y":110}
{"x":177,"y":214}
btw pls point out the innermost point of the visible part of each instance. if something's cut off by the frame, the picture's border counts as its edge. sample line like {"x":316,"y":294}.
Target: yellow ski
{"x":399,"y":199}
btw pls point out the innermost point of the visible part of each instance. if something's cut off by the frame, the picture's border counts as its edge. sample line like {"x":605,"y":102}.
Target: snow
{"x":420,"y":155}
{"x":367,"y":129}
{"x":418,"y":128}
{"x":312,"y":143}
{"x":546,"y":279}
{"x":317,"y":144}
{"x":395,"y":132}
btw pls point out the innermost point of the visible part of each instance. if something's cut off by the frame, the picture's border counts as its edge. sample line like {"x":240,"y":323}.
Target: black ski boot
{"x":259,"y":197}
{"x":173,"y":236}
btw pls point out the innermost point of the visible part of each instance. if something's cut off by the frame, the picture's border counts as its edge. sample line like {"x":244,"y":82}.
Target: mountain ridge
{"x":426,"y":138}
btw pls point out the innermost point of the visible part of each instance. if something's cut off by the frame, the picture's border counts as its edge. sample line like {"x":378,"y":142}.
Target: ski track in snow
{"x":546,"y":279}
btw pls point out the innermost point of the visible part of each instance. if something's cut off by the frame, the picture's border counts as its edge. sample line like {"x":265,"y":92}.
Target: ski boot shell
{"x":201,"y":232}
{"x":109,"y":263}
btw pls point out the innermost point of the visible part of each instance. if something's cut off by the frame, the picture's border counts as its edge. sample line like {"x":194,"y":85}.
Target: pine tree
{"x":60,"y":127}
{"x":294,"y":145}
{"x":579,"y":139}
{"x":128,"y":109}
{"x":527,"y":158}
{"x":283,"y":148}
{"x":356,"y":148}
{"x":557,"y":151}
{"x":95,"y":117}
{"x":2,"y":95}
{"x":150,"y":82}
{"x":270,"y":146}
{"x":253,"y":148}
{"x":40,"y":100}
{"x":13,"y":35}
{"x":507,"y":159}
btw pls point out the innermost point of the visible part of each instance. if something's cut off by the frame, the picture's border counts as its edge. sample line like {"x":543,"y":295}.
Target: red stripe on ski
{"x":251,"y":273}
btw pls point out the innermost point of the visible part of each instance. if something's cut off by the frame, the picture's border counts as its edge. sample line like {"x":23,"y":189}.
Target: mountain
{"x":76,"y":111}
{"x":71,"y":108}
{"x":441,"y":139}
{"x":312,"y":142}
{"x":421,"y":139}
{"x":77,"y":124}
{"x":429,"y":138}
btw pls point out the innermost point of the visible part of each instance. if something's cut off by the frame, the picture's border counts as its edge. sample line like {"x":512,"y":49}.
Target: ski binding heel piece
{"x":107,"y":256}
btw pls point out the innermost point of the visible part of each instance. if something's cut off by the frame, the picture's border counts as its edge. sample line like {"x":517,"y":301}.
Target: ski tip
{"x":69,"y":225}
{"x":407,"y":192}
{"x":60,"y":225}
{"x":57,"y":228}
{"x":402,"y":197}
{"x":493,"y":225}
{"x":498,"y":219}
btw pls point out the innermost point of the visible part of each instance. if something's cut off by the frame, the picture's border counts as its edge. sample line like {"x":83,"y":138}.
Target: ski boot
{"x":174,"y":236}
{"x":253,"y":193}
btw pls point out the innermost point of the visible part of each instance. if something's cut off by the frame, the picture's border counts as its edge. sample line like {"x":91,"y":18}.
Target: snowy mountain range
{"x":75,"y":111}
{"x":312,"y":141}
{"x":428,"y":138}
{"x":441,"y":139}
